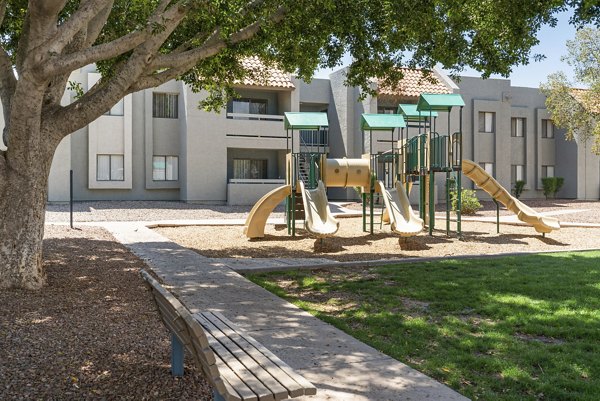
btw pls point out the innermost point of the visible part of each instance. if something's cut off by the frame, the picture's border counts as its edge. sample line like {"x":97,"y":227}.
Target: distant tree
{"x":139,"y":44}
{"x":578,"y":110}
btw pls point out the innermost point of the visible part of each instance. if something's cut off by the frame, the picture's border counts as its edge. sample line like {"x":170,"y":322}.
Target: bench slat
{"x":269,"y":387}
{"x":229,"y":371}
{"x":309,"y":388}
{"x":282,"y":385}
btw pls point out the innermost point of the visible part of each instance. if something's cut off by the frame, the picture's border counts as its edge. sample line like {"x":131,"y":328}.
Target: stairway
{"x":304,"y":168}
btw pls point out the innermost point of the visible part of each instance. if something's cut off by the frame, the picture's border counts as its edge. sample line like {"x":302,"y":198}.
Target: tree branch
{"x":8,"y":83}
{"x":79,"y":21}
{"x":3,"y":4}
{"x":213,"y":45}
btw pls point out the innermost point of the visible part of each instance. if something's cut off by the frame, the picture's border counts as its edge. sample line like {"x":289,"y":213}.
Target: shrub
{"x":551,"y":185}
{"x":518,"y":188}
{"x":469,"y":202}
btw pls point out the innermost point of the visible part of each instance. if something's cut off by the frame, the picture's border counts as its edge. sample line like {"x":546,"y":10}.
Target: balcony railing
{"x":259,"y":117}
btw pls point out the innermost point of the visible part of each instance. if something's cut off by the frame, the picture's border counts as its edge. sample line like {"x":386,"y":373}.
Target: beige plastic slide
{"x":257,"y":219}
{"x":479,"y":176}
{"x":402,"y":218}
{"x":318,"y":219}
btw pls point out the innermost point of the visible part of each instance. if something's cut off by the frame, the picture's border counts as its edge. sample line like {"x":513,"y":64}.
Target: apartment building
{"x":157,"y":144}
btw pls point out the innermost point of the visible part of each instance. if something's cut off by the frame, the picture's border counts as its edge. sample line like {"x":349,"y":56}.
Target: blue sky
{"x":552,"y":45}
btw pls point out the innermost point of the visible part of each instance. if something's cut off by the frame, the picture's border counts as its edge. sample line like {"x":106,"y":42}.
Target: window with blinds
{"x":488,"y":167}
{"x":486,"y":121}
{"x":165,"y":168}
{"x":254,"y":169}
{"x":517,"y":127}
{"x":165,"y":105}
{"x":517,"y":173}
{"x":547,"y":129}
{"x":110,"y":168}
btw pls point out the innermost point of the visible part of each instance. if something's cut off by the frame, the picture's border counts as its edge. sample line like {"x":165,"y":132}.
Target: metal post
{"x":431,"y":201}
{"x":71,"y":198}
{"x":364,"y":211}
{"x":497,"y":216}
{"x":447,"y":202}
{"x":458,"y":202}
{"x":177,"y":356}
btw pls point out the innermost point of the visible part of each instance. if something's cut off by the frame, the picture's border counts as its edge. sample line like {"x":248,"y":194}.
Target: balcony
{"x":255,"y":117}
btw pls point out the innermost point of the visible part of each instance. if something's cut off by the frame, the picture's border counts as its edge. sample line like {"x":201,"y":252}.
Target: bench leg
{"x":217,"y":396}
{"x":177,"y":353}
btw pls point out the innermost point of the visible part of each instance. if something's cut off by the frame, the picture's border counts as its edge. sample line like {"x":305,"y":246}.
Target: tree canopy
{"x":578,"y":109}
{"x":139,"y":44}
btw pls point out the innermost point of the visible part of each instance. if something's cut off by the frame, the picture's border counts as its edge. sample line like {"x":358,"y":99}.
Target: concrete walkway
{"x":341,"y":367}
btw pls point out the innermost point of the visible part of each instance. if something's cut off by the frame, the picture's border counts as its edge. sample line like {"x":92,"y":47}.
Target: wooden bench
{"x":235,"y":364}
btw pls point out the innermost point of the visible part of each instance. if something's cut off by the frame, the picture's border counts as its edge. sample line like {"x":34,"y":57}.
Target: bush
{"x":552,"y":185}
{"x":518,"y":188}
{"x":469,"y":202}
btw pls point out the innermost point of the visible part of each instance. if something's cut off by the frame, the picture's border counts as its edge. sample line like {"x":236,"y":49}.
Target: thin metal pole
{"x":71,"y":198}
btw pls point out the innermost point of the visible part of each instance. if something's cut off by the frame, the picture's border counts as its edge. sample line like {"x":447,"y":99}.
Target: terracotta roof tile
{"x":582,"y":96}
{"x":264,"y":76}
{"x":414,"y":83}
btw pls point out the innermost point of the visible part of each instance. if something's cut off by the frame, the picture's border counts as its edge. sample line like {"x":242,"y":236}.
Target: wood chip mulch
{"x":92,"y":333}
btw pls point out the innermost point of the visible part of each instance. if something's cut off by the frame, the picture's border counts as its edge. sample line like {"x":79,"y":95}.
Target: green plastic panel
{"x":410,"y":112}
{"x":428,"y":101}
{"x":305,"y":120}
{"x":381,"y":122}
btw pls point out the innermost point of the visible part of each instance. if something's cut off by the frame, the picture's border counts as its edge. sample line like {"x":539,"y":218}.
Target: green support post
{"x":447,"y":203}
{"x":288,"y":208}
{"x":458,"y":203}
{"x":364,"y":211}
{"x":294,"y":212}
{"x":431,"y":201}
{"x":371,"y":210}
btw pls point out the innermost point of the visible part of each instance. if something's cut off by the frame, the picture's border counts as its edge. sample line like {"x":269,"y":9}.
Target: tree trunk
{"x":22,"y":212}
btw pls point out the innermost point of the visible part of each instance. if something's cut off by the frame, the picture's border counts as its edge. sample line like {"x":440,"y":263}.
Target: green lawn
{"x":513,"y":328}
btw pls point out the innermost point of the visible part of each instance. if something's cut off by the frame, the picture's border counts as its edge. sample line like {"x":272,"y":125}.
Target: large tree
{"x":138,"y":44}
{"x":578,"y":109}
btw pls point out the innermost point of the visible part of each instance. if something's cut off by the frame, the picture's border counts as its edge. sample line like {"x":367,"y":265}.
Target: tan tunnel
{"x":347,"y":173}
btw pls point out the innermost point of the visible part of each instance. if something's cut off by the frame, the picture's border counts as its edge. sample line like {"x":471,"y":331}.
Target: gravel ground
{"x":92,"y":333}
{"x":590,"y":209}
{"x":350,"y":243}
{"x":144,"y":211}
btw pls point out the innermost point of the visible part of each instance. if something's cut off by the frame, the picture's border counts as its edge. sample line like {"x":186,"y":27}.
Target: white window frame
{"x":112,"y":158}
{"x":167,"y":175}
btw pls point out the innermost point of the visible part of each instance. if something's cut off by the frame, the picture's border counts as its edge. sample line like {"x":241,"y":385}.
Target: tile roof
{"x":261,"y":75}
{"x":414,"y":83}
{"x":582,"y":96}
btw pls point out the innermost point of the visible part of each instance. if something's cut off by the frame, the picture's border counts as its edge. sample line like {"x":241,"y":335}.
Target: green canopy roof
{"x":428,"y":101}
{"x":381,"y":122}
{"x":305,"y":120}
{"x":410,"y":112}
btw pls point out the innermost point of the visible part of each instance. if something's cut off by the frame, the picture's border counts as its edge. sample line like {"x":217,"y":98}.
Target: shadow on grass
{"x":504,"y":329}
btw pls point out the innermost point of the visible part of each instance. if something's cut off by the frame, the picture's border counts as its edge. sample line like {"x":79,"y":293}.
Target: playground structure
{"x":384,"y":178}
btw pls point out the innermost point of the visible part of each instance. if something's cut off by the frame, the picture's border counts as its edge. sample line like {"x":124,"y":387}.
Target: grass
{"x":512,"y":328}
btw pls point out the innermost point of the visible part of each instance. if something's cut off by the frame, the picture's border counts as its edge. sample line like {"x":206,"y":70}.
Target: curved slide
{"x":403,"y":219}
{"x":257,"y":219}
{"x":318,"y":219}
{"x":479,"y":176}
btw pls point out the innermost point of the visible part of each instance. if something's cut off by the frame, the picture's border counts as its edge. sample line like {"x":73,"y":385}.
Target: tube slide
{"x":483,"y":180}
{"x":318,"y":219}
{"x":257,"y":219}
{"x":403,"y":220}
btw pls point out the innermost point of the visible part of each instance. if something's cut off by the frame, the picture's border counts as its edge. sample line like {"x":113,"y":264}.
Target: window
{"x":386,"y":110}
{"x":165,"y":168}
{"x":313,"y":137}
{"x":547,"y":171}
{"x":517,"y":173}
{"x":110,"y":168}
{"x":249,"y":168}
{"x":486,"y":121}
{"x":547,"y":129}
{"x":165,"y":105}
{"x":488,"y":167}
{"x":249,"y":106}
{"x":517,"y":127}
{"x":116,"y":110}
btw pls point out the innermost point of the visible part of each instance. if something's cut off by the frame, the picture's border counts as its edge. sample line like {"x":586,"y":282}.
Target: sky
{"x":552,"y":45}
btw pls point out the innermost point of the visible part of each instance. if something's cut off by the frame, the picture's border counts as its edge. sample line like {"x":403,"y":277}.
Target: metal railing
{"x":258,"y":117}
